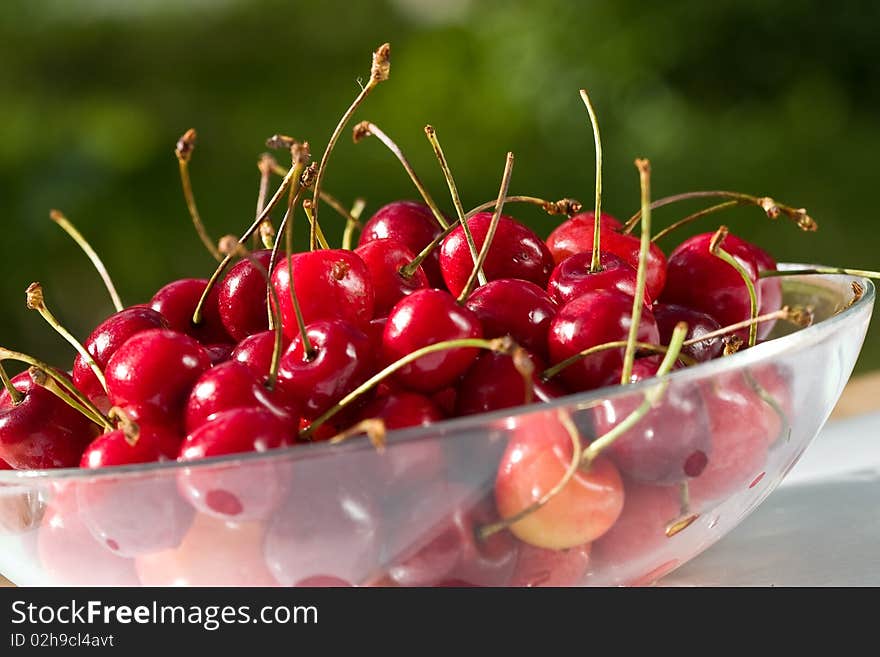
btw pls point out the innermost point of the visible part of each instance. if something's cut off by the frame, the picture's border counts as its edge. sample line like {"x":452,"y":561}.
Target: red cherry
{"x":698,"y":323}
{"x":241,"y":297}
{"x":402,"y":409}
{"x":771,"y":289}
{"x":218,"y":353}
{"x":516,"y":308}
{"x":493,"y":383}
{"x":255,"y":352}
{"x":591,"y":320}
{"x":329,"y":284}
{"x":572,"y":277}
{"x":232,"y":385}
{"x":239,"y":493}
{"x":375,"y":331}
{"x":542,"y":567}
{"x":576,"y":236}
{"x":482,"y":562}
{"x":41,"y":431}
{"x":384,"y":259}
{"x":424,"y":318}
{"x":118,"y":511}
{"x":702,"y":281}
{"x":341,"y":360}
{"x":153,"y":373}
{"x":446,"y":399}
{"x":538,"y":454}
{"x":413,"y":225}
{"x":669,"y":444}
{"x":103,"y":343}
{"x":177,"y":302}
{"x":516,"y":252}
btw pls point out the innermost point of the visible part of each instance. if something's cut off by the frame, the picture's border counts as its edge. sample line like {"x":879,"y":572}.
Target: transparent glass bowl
{"x":345,"y":514}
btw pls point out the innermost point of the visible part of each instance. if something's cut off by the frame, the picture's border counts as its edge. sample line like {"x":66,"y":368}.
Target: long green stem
{"x":696,"y":215}
{"x":629,"y":355}
{"x":42,"y":379}
{"x":717,"y":250}
{"x":431,"y":134}
{"x":862,"y":273}
{"x":185,"y":146}
{"x":316,"y":235}
{"x":352,"y":222}
{"x":76,"y":236}
{"x":554,"y":370}
{"x":595,"y":264}
{"x":566,"y":206}
{"x":490,"y":234}
{"x":15,"y":395}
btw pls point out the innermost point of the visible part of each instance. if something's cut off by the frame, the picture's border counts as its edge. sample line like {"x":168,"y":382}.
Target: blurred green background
{"x":765,"y":96}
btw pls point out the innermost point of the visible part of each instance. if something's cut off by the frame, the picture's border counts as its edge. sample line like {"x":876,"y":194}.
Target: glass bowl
{"x":415,"y":513}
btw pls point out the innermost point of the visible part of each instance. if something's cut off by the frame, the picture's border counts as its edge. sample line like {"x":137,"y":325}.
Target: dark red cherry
{"x":342,"y":359}
{"x":384,"y":259}
{"x":232,"y":385}
{"x":698,"y":323}
{"x":177,"y":302}
{"x":572,"y":277}
{"x":153,"y":372}
{"x":242,"y":297}
{"x":670,"y":444}
{"x":590,"y":320}
{"x":240,"y":493}
{"x":219,"y":353}
{"x":116,"y":510}
{"x":402,"y":409}
{"x":514,"y":307}
{"x":413,"y":225}
{"x":375,"y":331}
{"x":424,"y":318}
{"x":565,"y":243}
{"x":700,"y":280}
{"x":103,"y":343}
{"x":329,"y":284}
{"x":41,"y":431}
{"x":482,"y":562}
{"x":516,"y":252}
{"x":255,"y":351}
{"x":575,"y":235}
{"x":493,"y":383}
{"x":771,"y":289}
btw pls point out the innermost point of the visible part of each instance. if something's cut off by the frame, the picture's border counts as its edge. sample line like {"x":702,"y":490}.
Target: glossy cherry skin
{"x":232,"y":385}
{"x":493,"y":383}
{"x":153,"y":373}
{"x":384,"y":259}
{"x":771,"y":289}
{"x":103,"y":343}
{"x":572,"y":277}
{"x":235,"y":493}
{"x":255,"y":351}
{"x":413,"y":225}
{"x":341,"y":360}
{"x":542,"y":567}
{"x":177,"y":302}
{"x":242,"y":297}
{"x":514,"y":307}
{"x":139,"y":515}
{"x":329,"y":284}
{"x":670,"y":444}
{"x":537,"y":456}
{"x":402,"y":409}
{"x":590,"y":320}
{"x":516,"y":252}
{"x":576,"y":236}
{"x":41,"y":431}
{"x":702,"y":281}
{"x":424,"y":318}
{"x":699,"y":324}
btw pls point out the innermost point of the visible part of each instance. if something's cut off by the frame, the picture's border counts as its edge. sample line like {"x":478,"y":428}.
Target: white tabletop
{"x":821,"y":527}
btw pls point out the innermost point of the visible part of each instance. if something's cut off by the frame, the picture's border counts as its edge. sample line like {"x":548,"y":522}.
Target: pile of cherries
{"x":426,"y":319}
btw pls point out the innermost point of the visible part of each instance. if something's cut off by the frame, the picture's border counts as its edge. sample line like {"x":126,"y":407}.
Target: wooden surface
{"x":862,"y":395}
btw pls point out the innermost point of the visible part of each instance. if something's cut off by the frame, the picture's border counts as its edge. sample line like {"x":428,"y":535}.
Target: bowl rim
{"x":762,"y":352}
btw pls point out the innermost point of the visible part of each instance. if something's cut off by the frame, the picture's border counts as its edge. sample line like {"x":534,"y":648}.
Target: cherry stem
{"x":266,"y":164}
{"x":352,"y":222}
{"x":379,"y":72}
{"x":595,"y":263}
{"x":316,"y":235}
{"x":8,"y":354}
{"x":629,"y":356}
{"x":565,"y":420}
{"x":796,"y":315}
{"x":771,"y":401}
{"x":296,"y":192}
{"x":58,"y":217}
{"x":696,"y":215}
{"x":36,"y":302}
{"x":490,"y":234}
{"x":717,"y":250}
{"x":526,"y":369}
{"x":431,"y":134}
{"x":652,"y":396}
{"x":41,"y":378}
{"x":15,"y":394}
{"x":769,"y":205}
{"x":862,"y":273}
{"x":330,"y":200}
{"x":550,"y":372}
{"x":373,"y":427}
{"x":184,"y":150}
{"x":130,"y":429}
{"x":500,"y":345}
{"x":229,"y":245}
